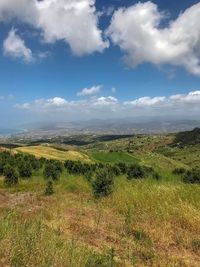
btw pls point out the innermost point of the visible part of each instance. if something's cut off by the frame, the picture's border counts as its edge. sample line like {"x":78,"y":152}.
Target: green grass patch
{"x":113,"y":157}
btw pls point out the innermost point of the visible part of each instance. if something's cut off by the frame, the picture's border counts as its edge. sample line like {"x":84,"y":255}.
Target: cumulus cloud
{"x":100,"y":107}
{"x":14,"y":46}
{"x":138,"y":31}
{"x":147,"y":101}
{"x":90,"y":91}
{"x":72,"y":21}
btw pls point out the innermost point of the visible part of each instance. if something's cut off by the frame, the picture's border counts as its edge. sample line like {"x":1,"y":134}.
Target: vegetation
{"x":104,"y":211}
{"x":53,"y":153}
{"x":11,"y":175}
{"x":135,"y":171}
{"x":103,"y":183}
{"x":52,"y":170}
{"x":113,"y":157}
{"x":187,"y":138}
{"x":49,"y":188}
{"x":192,"y":176}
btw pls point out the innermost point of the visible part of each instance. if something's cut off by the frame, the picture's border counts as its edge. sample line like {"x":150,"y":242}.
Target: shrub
{"x":135,"y":171}
{"x":192,"y":176}
{"x":49,"y":188}
{"x":156,"y":176}
{"x":122,"y":166}
{"x":35,"y":164}
{"x":51,"y":171}
{"x":1,"y":168}
{"x":196,"y":245}
{"x":89,"y":176}
{"x":25,"y":169}
{"x":116,"y":170}
{"x":140,"y":235}
{"x":99,"y":260}
{"x":11,"y":175}
{"x":103,"y":184}
{"x":179,"y":171}
{"x":57,"y":165}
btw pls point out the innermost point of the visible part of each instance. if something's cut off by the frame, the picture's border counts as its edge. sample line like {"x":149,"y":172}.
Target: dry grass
{"x":53,"y":153}
{"x":147,"y":223}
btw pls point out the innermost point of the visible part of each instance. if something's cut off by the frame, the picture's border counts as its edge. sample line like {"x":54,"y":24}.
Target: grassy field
{"x":143,"y":223}
{"x":113,"y":157}
{"x":53,"y":153}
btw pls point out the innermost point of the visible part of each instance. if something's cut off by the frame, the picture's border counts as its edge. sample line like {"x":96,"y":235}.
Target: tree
{"x":103,"y":184}
{"x":25,"y":169}
{"x":51,"y":171}
{"x":11,"y":175}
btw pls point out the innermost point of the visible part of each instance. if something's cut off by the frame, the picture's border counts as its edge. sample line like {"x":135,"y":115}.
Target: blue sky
{"x":48,"y":58}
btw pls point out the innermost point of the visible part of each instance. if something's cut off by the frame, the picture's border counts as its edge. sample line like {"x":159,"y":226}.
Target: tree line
{"x":100,"y":175}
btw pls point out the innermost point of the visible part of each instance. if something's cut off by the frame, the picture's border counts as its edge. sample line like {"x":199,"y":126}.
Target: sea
{"x":9,"y":132}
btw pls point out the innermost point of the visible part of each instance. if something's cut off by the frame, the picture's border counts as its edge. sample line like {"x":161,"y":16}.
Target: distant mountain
{"x":111,"y":126}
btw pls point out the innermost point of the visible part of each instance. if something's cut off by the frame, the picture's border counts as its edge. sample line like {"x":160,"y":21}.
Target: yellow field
{"x":52,"y":153}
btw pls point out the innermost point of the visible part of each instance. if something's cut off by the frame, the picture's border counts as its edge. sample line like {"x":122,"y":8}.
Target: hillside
{"x":53,"y":153}
{"x":188,"y":138}
{"x":151,"y":217}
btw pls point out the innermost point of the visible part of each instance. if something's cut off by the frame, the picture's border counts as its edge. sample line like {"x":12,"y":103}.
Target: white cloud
{"x":147,"y":101}
{"x":90,"y":91}
{"x":72,"y":21}
{"x":138,"y":32}
{"x":106,"y":101}
{"x":108,"y":107}
{"x":191,"y":98}
{"x":56,"y":101}
{"x":14,"y":46}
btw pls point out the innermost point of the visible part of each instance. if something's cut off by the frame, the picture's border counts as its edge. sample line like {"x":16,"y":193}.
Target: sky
{"x":65,"y":60}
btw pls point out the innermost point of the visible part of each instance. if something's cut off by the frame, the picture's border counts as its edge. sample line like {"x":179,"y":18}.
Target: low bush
{"x":11,"y":175}
{"x":192,"y":176}
{"x":49,"y":188}
{"x":135,"y":171}
{"x":51,"y":171}
{"x":179,"y":171}
{"x":103,"y":184}
{"x":25,"y":169}
{"x":156,"y":176}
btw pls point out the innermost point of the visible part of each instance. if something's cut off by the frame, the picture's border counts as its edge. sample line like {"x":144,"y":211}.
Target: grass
{"x":53,"y":153}
{"x":113,"y":157}
{"x":143,"y":223}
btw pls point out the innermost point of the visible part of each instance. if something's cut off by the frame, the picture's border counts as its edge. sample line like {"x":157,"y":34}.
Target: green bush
{"x":77,"y":167}
{"x":25,"y":169}
{"x":49,"y":188}
{"x":156,"y":176}
{"x":179,"y":171}
{"x":103,"y":184}
{"x":192,"y":176}
{"x":51,"y":171}
{"x":122,"y":166}
{"x":11,"y":175}
{"x":135,"y":171}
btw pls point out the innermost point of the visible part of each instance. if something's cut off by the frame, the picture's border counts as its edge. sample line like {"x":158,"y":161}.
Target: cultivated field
{"x":53,"y":153}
